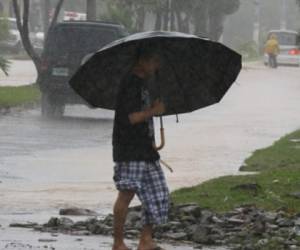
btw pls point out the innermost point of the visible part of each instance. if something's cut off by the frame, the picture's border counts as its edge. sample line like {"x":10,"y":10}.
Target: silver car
{"x":289,"y":47}
{"x":13,"y":41}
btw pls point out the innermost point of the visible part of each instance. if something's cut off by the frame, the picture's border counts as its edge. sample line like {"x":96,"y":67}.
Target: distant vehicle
{"x":66,"y":46}
{"x":74,"y":16}
{"x":289,"y":47}
{"x":13,"y":42}
{"x":37,"y":40}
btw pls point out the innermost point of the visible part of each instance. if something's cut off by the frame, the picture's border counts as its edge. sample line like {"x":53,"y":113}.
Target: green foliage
{"x":120,"y":13}
{"x":4,"y":64}
{"x":279,"y":177}
{"x":3,"y":29}
{"x":283,"y":154}
{"x":221,"y":196}
{"x":249,"y":50}
{"x":14,"y":96}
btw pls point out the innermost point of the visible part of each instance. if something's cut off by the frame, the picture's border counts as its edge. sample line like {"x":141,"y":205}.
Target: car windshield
{"x":68,"y":40}
{"x":285,"y":38}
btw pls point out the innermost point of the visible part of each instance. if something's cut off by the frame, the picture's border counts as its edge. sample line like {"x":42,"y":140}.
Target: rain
{"x":56,"y":146}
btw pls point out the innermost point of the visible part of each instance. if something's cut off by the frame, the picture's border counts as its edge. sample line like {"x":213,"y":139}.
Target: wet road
{"x":21,"y":72}
{"x":46,"y":165}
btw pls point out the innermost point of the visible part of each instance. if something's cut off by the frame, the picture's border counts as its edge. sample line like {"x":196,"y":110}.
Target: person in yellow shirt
{"x":272,"y":49}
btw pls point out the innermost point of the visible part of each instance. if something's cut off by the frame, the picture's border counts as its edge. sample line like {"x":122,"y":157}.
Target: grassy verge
{"x":284,"y":153}
{"x":270,"y":189}
{"x":15,"y":96}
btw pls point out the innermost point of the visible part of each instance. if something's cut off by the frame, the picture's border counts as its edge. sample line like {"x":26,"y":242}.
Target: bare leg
{"x":146,"y":240}
{"x":120,"y":213}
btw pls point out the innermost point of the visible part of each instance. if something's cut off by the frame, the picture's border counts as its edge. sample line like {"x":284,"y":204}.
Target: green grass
{"x":15,"y":96}
{"x":284,"y":153}
{"x":278,"y":176}
{"x":218,"y":195}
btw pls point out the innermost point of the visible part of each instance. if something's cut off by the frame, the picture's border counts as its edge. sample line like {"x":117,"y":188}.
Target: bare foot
{"x":149,"y":246}
{"x":120,"y":247}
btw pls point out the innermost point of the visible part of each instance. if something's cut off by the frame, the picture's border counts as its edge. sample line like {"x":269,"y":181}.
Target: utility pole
{"x":283,"y":15}
{"x":256,"y":27}
{"x":91,"y":10}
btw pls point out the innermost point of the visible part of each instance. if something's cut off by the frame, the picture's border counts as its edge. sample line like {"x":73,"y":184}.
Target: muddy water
{"x":46,"y":165}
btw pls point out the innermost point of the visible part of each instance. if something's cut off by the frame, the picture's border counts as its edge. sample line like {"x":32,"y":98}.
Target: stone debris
{"x":245,"y":227}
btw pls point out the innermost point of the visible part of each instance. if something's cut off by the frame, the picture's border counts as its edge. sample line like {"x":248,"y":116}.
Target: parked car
{"x":67,"y":44}
{"x":37,"y":40}
{"x":289,"y":47}
{"x":13,"y":43}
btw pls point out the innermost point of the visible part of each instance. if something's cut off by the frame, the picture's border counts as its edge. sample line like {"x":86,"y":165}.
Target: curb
{"x":15,"y":109}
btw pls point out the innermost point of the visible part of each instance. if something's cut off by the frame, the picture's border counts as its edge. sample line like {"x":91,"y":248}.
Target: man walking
{"x":137,"y":170}
{"x":272,"y":49}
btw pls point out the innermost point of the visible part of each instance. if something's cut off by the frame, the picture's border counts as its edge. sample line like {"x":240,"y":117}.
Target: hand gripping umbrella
{"x":195,"y":72}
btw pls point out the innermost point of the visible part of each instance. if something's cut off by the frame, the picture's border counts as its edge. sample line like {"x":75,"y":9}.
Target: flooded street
{"x":22,"y":72}
{"x":49,"y":164}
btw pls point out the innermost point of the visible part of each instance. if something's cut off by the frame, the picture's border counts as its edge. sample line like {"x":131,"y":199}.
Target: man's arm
{"x":158,"y":108}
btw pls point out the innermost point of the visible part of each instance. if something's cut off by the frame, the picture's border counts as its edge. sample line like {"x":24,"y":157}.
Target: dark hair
{"x":147,"y":52}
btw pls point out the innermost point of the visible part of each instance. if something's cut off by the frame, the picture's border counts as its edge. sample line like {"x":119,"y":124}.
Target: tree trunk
{"x":215,"y":25}
{"x":140,"y":22}
{"x":91,"y":10}
{"x":216,"y":19}
{"x":22,"y":24}
{"x":200,"y":16}
{"x":158,"y":20}
{"x":172,"y":17}
{"x":47,"y":9}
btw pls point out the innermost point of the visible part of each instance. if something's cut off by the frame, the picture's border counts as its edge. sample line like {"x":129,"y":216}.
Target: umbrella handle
{"x":162,"y":137}
{"x":162,"y":140}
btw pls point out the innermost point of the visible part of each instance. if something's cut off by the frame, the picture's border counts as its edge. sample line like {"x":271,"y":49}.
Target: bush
{"x":249,"y":50}
{"x":4,"y":64}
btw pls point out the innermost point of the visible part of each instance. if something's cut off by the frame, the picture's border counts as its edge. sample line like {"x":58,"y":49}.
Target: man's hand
{"x":157,"y":108}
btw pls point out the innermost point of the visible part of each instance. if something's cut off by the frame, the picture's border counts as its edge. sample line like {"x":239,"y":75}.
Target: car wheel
{"x":50,"y":107}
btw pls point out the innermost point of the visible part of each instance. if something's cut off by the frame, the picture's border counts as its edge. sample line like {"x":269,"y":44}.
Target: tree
{"x":4,"y":64}
{"x":22,"y":23}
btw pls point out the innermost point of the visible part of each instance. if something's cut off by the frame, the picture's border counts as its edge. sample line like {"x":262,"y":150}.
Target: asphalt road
{"x":49,"y":164}
{"x":21,"y":72}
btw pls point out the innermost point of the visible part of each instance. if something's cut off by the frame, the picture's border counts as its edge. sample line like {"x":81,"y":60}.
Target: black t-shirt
{"x":132,"y":142}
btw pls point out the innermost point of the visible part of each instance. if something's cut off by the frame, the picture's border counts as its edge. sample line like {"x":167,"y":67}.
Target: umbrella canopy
{"x":195,"y":72}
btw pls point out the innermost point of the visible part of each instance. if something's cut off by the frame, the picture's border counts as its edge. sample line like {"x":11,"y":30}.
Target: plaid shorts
{"x":147,"y":180}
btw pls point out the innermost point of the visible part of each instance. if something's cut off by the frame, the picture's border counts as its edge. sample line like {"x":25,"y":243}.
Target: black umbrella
{"x":195,"y":72}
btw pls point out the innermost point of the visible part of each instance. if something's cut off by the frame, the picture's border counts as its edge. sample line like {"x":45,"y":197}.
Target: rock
{"x":99,"y":228}
{"x":262,"y":242}
{"x":270,"y":217}
{"x":206,"y":216}
{"x":59,"y":223}
{"x":271,"y":227}
{"x":133,"y":218}
{"x":295,"y":195}
{"x":252,"y":187}
{"x":47,"y":240}
{"x":176,"y":236}
{"x":201,"y":235}
{"x":217,"y":220}
{"x":294,"y":247}
{"x":77,"y":212}
{"x":277,"y":239}
{"x":297,"y":222}
{"x":24,"y":225}
{"x":191,"y":209}
{"x":235,"y":221}
{"x":81,"y":233}
{"x":284,"y":222}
